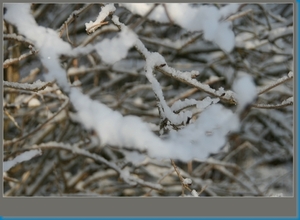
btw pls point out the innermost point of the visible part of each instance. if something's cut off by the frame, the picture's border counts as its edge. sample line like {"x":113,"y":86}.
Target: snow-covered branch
{"x":36,"y":86}
{"x":28,"y":155}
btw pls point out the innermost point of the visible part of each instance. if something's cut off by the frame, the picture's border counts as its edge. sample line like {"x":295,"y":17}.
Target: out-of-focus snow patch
{"x":194,"y":193}
{"x":187,"y":181}
{"x":205,"y":18}
{"x":113,"y":50}
{"x":245,"y":91}
{"x":229,"y":9}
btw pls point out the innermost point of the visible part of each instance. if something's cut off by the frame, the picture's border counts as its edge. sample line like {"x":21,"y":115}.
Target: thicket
{"x":69,"y":157}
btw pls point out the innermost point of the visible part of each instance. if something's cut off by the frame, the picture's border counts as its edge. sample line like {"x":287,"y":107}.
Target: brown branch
{"x":64,"y":105}
{"x":11,"y":61}
{"x":18,"y":38}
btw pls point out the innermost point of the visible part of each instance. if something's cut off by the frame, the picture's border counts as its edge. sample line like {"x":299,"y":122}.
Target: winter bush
{"x":106,"y":99}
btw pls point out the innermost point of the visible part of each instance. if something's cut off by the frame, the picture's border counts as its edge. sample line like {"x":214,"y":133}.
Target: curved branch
{"x":76,"y":150}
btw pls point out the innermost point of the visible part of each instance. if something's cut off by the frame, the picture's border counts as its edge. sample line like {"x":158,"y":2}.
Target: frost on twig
{"x":17,"y":38}
{"x":278,"y":82}
{"x":11,"y":61}
{"x":287,"y":102}
{"x":36,"y":86}
{"x":28,"y":155}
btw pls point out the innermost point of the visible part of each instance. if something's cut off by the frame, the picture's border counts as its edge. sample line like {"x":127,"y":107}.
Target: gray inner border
{"x":113,"y":207}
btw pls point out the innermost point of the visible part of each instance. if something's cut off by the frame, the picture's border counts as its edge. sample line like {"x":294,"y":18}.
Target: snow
{"x":224,"y":37}
{"x":291,"y":74}
{"x":46,"y":40}
{"x":28,"y":155}
{"x":288,"y":101}
{"x":201,"y":105}
{"x":229,"y":9}
{"x":152,"y":60}
{"x":111,"y":126}
{"x":206,"y":135}
{"x":205,"y":18}
{"x":187,"y":181}
{"x":245,"y":91}
{"x":116,"y":49}
{"x":194,"y":193}
{"x":134,"y":157}
{"x":143,"y":8}
{"x":105,"y":11}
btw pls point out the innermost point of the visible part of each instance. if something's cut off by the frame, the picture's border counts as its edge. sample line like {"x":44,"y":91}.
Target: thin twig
{"x":71,"y":18}
{"x":285,"y":103}
{"x":40,"y":126}
{"x":76,"y":150}
{"x":18,"y":38}
{"x":35,"y":87}
{"x":238,"y":15}
{"x":277,"y":83}
{"x":11,"y":61}
{"x":184,"y":186}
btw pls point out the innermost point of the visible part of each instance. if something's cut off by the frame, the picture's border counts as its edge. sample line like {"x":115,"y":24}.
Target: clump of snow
{"x":187,"y":181}
{"x":111,"y":126}
{"x":194,"y":193}
{"x":154,"y":59}
{"x":245,"y":91}
{"x":134,"y":157}
{"x":224,"y":37}
{"x":117,"y":48}
{"x":290,"y":74}
{"x":206,"y":135}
